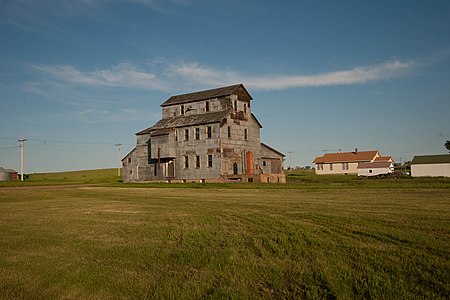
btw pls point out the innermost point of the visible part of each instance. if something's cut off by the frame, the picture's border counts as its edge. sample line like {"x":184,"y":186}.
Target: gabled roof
{"x":272,"y":149}
{"x":129,"y":153}
{"x":259,"y":124}
{"x":356,"y":156}
{"x":204,"y":95}
{"x":383,"y":158}
{"x":431,"y":159}
{"x":183,"y":120}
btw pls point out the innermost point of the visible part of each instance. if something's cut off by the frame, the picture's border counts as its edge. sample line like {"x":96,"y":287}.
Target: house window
{"x":186,"y":134}
{"x":197,"y":133}
{"x":210,"y":158}
{"x":245,"y":133}
{"x":245,"y":108}
{"x":182,"y":109}
{"x":235,"y":105}
{"x":197,"y":162}
{"x":344,"y":166}
{"x":176,"y":135}
{"x":331,"y":167}
{"x":209,"y":131}
{"x":129,"y":160}
{"x":229,"y":132}
{"x":186,"y":162}
{"x":207,"y":106}
{"x":264,"y":163}
{"x":319,"y":166}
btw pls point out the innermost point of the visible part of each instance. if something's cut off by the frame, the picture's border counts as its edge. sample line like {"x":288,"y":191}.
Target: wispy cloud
{"x":171,"y":77}
{"x":357,"y":75}
{"x":123,"y":75}
{"x":101,"y":115}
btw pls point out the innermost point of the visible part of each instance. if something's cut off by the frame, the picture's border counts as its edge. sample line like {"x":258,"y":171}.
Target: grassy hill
{"x":101,"y":176}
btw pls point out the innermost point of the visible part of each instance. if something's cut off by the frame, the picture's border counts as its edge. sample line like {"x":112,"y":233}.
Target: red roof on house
{"x":357,"y":156}
{"x":384,"y":159}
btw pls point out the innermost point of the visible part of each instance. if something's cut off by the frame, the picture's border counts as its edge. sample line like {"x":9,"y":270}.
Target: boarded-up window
{"x":276,"y":166}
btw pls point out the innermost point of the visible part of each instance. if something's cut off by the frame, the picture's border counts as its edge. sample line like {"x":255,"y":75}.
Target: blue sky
{"x":77,"y":77}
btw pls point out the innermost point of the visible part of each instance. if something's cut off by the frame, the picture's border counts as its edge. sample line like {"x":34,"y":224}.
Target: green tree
{"x":447,"y":145}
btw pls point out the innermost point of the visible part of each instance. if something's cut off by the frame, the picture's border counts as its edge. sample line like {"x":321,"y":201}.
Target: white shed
{"x":369,"y":169}
{"x":431,"y":165}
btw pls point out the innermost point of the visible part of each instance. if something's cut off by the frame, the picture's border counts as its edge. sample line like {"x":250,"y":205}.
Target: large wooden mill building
{"x":206,"y":136}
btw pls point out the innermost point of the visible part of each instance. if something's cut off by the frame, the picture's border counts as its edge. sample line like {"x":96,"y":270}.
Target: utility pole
{"x":21,"y":141}
{"x":290,"y":158}
{"x":118,"y":159}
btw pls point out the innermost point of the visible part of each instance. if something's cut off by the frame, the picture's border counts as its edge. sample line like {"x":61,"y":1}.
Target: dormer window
{"x":182,"y":110}
{"x":207,"y":106}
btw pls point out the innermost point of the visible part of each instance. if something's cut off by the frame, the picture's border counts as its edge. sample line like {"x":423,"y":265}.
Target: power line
{"x":118,"y":159}
{"x":45,"y":141}
{"x":68,"y":150}
{"x":21,"y":141}
{"x":4,"y":148}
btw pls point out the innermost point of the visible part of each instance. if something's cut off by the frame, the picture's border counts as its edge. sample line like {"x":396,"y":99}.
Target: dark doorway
{"x":235,"y":169}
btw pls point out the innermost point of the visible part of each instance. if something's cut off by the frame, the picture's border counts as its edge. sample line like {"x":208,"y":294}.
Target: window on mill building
{"x":186,"y":162}
{"x":209,"y":132}
{"x":197,"y":133}
{"x":197,"y":161}
{"x":210,"y":161}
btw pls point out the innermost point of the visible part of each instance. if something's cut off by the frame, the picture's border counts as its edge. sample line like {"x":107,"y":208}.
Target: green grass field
{"x":313,"y":238}
{"x":102,"y":176}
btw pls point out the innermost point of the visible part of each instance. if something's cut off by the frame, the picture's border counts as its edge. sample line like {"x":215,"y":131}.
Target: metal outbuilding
{"x":431,"y":165}
{"x":7,"y":174}
{"x":4,"y":175}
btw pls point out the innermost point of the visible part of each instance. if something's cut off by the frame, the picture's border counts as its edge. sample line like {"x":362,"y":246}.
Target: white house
{"x":431,"y":165}
{"x":369,"y":169}
{"x":346,"y":162}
